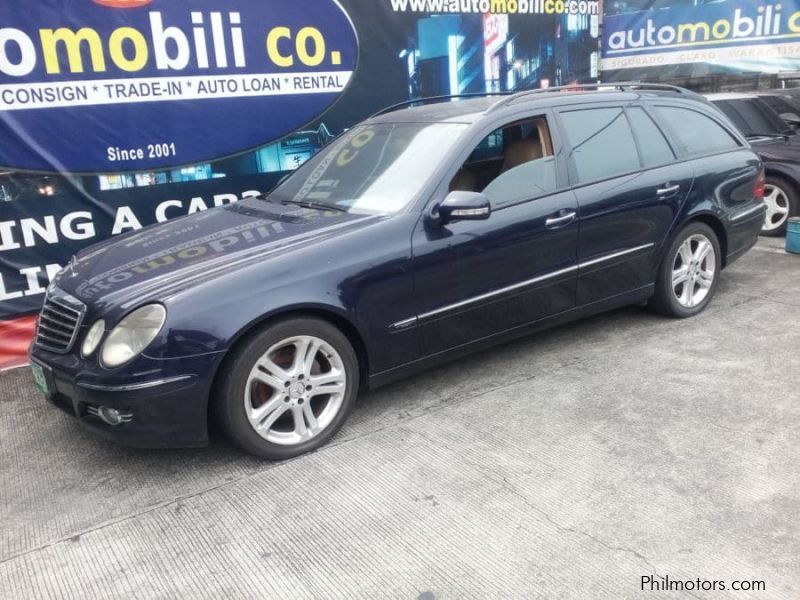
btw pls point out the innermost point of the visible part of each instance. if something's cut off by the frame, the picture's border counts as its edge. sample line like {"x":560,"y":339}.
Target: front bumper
{"x":167,"y":400}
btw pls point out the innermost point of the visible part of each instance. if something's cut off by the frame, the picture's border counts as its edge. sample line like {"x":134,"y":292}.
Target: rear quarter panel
{"x":723,"y":190}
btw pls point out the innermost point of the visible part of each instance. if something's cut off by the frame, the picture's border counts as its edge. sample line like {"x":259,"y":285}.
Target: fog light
{"x":110,"y":416}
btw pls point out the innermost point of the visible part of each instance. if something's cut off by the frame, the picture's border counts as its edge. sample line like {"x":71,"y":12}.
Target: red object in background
{"x":123,"y":3}
{"x":15,"y":337}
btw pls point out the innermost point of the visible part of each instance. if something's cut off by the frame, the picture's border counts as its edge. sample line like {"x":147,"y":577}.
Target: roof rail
{"x":433,"y":99}
{"x":627,"y":86}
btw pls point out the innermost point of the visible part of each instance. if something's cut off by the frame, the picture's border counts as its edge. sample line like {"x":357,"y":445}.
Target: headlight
{"x":93,"y":338}
{"x":133,"y":334}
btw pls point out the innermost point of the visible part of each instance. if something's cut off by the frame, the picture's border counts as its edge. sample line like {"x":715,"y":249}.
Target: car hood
{"x":169,"y":257}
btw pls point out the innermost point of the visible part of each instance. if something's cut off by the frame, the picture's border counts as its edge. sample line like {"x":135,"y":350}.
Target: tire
{"x":783,"y":202}
{"x":264,"y":393}
{"x":695,"y":281}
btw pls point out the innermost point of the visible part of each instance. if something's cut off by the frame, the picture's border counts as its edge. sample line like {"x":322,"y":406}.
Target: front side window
{"x":602,"y":143}
{"x":697,"y":133}
{"x":372,"y":169}
{"x":512,"y":164}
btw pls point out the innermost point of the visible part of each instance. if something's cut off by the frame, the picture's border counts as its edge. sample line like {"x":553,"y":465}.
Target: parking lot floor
{"x":565,"y":465}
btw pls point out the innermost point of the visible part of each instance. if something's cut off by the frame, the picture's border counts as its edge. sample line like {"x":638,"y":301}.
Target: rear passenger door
{"x":630,"y":187}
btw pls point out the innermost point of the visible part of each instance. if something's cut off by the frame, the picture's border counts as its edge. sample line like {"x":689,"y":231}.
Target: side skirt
{"x":427,"y":362}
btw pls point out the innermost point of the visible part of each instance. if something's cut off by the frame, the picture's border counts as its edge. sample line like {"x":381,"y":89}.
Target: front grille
{"x":59,"y":322}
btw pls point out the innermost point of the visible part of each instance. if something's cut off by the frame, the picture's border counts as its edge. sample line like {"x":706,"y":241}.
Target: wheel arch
{"x":785,"y":172}
{"x":716,"y":225}
{"x":326,"y":313}
{"x":331,"y":315}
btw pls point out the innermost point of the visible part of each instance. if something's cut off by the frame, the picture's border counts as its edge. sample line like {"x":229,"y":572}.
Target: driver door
{"x":476,"y":279}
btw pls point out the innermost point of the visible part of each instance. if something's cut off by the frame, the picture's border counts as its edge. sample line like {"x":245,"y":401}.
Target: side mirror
{"x":464,"y":206}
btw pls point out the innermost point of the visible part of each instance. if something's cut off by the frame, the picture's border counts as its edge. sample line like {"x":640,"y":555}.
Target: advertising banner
{"x":724,"y":35}
{"x":117,"y":114}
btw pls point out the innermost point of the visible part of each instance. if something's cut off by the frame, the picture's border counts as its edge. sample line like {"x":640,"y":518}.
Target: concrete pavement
{"x":566,"y":465}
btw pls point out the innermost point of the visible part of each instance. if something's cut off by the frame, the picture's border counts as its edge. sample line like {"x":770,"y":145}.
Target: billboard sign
{"x":71,"y":73}
{"x":734,"y":34}
{"x":495,"y":32}
{"x":232,"y":95}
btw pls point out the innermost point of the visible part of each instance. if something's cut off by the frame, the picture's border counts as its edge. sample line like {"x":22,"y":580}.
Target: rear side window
{"x":602,"y":143}
{"x":653,"y":146}
{"x":697,"y":133}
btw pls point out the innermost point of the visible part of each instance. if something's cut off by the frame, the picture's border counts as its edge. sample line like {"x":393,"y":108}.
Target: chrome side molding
{"x":413,"y":321}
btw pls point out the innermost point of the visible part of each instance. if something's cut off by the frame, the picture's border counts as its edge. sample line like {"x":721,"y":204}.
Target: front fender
{"x":202,"y":323}
{"x":785,"y":170}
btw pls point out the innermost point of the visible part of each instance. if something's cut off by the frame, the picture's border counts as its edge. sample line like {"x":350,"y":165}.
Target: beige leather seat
{"x":522,"y":151}
{"x":464,"y":181}
{"x":518,"y":153}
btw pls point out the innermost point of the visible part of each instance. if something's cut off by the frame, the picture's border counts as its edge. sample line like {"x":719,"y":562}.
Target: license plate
{"x":40,"y":379}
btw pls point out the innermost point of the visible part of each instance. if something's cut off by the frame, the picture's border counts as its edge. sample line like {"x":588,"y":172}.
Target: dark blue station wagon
{"x":420,"y":235}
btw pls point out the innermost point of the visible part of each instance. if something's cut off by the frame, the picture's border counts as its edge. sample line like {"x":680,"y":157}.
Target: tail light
{"x":758,"y":188}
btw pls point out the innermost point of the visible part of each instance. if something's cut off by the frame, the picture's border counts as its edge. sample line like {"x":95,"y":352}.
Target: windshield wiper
{"x":313,"y":205}
{"x":304,"y":203}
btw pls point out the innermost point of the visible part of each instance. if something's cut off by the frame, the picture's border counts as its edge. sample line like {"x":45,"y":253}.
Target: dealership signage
{"x":130,"y":85}
{"x":119,"y":114}
{"x":35,"y":246}
{"x":737,"y":34}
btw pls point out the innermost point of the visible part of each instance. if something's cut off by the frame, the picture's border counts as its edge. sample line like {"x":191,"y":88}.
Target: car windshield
{"x":753,"y":117}
{"x":377,"y":168}
{"x":779,"y":105}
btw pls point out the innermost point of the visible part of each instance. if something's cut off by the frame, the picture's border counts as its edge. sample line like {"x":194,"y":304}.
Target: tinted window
{"x":602,"y":143}
{"x":529,"y":180}
{"x":512,"y":164}
{"x":697,"y":133}
{"x":653,"y":145}
{"x":752,"y":116}
{"x":778,"y":104}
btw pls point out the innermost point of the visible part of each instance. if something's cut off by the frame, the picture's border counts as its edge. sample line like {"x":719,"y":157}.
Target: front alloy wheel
{"x":287,"y":389}
{"x":295,"y":390}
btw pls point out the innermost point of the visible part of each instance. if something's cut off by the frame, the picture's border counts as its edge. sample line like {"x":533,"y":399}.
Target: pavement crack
{"x":575,"y":531}
{"x":739,"y":431}
{"x":510,"y":487}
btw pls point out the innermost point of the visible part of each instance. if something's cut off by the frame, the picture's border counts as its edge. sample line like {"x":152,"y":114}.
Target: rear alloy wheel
{"x":288,"y":388}
{"x":693,"y":271}
{"x":689,"y":272}
{"x":782,"y":202}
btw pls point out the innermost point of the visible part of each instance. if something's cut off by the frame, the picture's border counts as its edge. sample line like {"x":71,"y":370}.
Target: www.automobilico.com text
{"x":542,"y":7}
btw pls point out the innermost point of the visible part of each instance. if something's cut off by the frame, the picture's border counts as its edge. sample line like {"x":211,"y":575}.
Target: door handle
{"x":564,"y":217}
{"x":669,"y":190}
